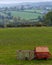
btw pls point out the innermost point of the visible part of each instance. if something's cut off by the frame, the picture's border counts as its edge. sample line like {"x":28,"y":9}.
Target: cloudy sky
{"x":19,"y":1}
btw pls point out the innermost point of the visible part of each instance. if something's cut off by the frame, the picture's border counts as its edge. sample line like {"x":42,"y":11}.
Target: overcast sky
{"x":19,"y":1}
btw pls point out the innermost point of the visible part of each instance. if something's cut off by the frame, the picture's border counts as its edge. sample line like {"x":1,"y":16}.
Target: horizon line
{"x":22,"y":2}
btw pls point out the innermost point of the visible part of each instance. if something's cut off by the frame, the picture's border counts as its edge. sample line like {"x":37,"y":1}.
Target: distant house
{"x":44,"y":12}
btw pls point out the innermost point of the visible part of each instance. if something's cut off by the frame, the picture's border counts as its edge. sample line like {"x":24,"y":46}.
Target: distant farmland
{"x":25,"y":14}
{"x":12,"y":39}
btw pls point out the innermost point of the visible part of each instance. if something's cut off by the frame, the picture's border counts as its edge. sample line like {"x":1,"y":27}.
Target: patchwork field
{"x":13,"y":39}
{"x":25,"y":14}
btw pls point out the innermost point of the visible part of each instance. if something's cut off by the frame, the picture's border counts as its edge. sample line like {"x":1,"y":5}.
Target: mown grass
{"x":13,"y":39}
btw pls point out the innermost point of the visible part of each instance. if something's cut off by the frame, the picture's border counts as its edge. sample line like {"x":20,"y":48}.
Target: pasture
{"x":13,"y":39}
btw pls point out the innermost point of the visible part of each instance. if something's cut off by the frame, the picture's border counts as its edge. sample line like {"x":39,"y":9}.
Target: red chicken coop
{"x":42,"y":53}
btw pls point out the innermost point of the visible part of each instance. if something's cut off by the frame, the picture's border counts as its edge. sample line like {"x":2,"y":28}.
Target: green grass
{"x":13,"y":39}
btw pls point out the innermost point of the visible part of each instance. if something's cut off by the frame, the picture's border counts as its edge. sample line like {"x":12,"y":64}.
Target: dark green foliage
{"x":48,"y":18}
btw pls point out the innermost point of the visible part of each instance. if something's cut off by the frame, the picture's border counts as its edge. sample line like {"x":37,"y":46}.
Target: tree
{"x":5,"y":22}
{"x":15,"y":21}
{"x":39,"y":18}
{"x":22,"y":7}
{"x":9,"y":13}
{"x":48,"y":18}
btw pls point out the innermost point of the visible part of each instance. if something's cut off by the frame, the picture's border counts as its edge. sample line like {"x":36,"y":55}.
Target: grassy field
{"x":13,"y":39}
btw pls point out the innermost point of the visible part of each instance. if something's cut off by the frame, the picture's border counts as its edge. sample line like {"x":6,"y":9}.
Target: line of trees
{"x":48,"y":19}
